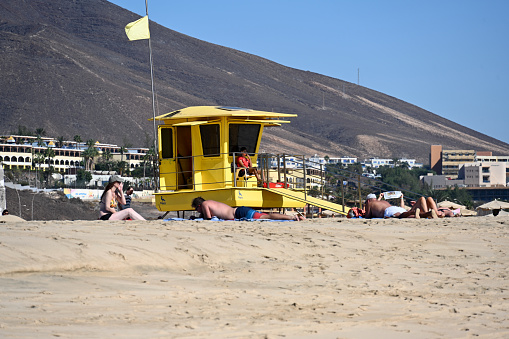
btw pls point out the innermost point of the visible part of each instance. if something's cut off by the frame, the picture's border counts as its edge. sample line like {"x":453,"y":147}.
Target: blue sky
{"x":448,"y":57}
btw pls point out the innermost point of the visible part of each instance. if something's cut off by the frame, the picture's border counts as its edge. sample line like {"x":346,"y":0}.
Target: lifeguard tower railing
{"x":319,"y":179}
{"x":293,"y":172}
{"x":268,"y":164}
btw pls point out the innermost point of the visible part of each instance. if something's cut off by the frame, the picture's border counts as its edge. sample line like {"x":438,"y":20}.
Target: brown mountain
{"x":68,"y":67}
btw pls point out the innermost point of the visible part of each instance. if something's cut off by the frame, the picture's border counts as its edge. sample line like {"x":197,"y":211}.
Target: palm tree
{"x":77,"y":139}
{"x":145,"y":158}
{"x":40,"y":143}
{"x":90,"y":143}
{"x":49,"y":154}
{"x":89,"y":154}
{"x":23,"y":130}
{"x":155,"y":165}
{"x":396,"y":162}
{"x":40,"y":132}
{"x":60,"y":141}
{"x":38,"y":160}
{"x":106,"y":156}
{"x":86,"y":157}
{"x":121,"y":166}
{"x":122,"y":151}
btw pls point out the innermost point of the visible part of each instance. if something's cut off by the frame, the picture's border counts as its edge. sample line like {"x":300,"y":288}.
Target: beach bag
{"x":356,"y":212}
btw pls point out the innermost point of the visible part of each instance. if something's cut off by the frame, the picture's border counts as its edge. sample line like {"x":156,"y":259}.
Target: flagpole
{"x":156,"y":150}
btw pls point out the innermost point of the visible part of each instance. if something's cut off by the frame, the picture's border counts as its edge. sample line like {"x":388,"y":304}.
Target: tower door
{"x":184,"y":161}
{"x":167,"y":163}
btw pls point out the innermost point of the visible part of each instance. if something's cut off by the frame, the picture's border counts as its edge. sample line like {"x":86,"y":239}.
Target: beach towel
{"x":217,"y":219}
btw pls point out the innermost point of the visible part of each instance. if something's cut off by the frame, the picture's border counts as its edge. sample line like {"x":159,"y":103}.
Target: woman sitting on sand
{"x":113,"y":195}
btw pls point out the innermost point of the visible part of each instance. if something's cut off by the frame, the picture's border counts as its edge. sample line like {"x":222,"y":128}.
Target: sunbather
{"x":211,"y":208}
{"x":450,"y":213}
{"x":423,"y":208}
{"x":375,"y":208}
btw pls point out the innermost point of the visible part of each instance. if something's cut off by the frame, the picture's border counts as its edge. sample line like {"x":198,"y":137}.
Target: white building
{"x":18,"y":151}
{"x":484,"y":174}
{"x":290,"y":162}
{"x":379,"y":162}
{"x":492,"y":158}
{"x":475,"y":174}
{"x":315,"y":161}
{"x":343,"y":160}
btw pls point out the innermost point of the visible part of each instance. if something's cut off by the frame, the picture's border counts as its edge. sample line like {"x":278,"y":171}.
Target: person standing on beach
{"x":111,"y":197}
{"x":128,"y":192}
{"x":211,"y":208}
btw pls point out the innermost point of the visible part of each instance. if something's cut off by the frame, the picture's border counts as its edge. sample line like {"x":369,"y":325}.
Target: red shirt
{"x":243,"y":162}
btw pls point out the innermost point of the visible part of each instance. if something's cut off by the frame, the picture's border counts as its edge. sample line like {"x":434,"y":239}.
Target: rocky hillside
{"x":68,"y":67}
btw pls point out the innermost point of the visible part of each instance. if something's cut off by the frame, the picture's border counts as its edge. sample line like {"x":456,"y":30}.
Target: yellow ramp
{"x":301,"y":197}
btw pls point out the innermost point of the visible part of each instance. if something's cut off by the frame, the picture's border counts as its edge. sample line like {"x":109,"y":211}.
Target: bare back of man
{"x":376,"y":208}
{"x":210,"y":208}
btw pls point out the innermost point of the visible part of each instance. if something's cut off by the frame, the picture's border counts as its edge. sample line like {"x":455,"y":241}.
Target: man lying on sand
{"x":210,"y":208}
{"x":423,"y":208}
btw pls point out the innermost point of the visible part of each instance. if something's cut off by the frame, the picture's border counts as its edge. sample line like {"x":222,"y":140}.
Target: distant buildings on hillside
{"x":467,"y":168}
{"x":296,"y":166}
{"x":464,"y":168}
{"x":27,"y":152}
{"x":316,"y":161}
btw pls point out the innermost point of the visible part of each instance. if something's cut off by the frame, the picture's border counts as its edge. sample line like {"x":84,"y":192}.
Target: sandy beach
{"x":320,"y":278}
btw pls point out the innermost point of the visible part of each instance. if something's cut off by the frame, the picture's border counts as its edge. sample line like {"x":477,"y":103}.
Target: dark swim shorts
{"x":247,"y":212}
{"x":106,"y":216}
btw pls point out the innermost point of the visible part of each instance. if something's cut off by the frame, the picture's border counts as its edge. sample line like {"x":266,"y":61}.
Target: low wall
{"x":89,"y":194}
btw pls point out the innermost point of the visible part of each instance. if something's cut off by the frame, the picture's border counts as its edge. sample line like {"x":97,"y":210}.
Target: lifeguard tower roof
{"x":201,"y":112}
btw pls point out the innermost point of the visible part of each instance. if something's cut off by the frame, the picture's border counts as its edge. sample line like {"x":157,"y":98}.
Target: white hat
{"x":371,"y":196}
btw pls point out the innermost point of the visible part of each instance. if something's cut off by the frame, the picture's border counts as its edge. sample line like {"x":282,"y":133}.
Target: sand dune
{"x":326,"y":278}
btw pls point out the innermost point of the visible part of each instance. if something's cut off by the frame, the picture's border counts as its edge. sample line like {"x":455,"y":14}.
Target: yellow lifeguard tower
{"x":197,"y":152}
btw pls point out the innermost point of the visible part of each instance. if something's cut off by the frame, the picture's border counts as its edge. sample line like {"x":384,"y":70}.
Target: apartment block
{"x":27,"y":152}
{"x":447,"y":162}
{"x":453,"y":159}
{"x":483,"y":174}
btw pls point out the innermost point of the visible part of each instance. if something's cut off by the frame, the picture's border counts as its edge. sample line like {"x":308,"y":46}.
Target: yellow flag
{"x":138,"y":30}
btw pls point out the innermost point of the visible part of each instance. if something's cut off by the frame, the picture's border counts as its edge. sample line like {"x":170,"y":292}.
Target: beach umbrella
{"x":494,"y":205}
{"x":466,"y":212}
{"x":491,"y":207}
{"x":449,"y":204}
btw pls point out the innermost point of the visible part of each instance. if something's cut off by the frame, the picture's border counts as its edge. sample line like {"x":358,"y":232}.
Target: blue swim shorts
{"x":247,"y":212}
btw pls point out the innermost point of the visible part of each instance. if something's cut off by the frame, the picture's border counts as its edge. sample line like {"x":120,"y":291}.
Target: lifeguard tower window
{"x":210,"y":140}
{"x":166,"y":143}
{"x":243,"y":135}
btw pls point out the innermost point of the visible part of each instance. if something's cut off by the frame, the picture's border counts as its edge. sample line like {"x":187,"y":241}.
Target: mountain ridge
{"x":69,"y":68}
